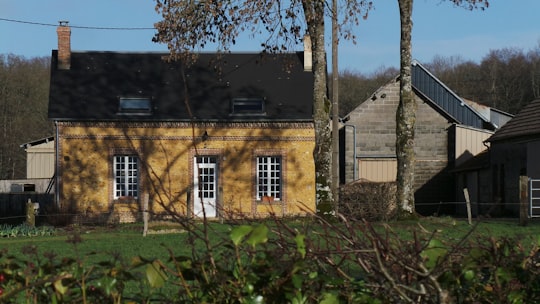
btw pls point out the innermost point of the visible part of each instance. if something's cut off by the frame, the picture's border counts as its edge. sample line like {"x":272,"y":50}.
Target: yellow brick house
{"x":227,"y":136}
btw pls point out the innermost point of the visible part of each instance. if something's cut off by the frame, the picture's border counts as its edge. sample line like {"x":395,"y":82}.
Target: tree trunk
{"x":314,"y":11}
{"x":405,"y":116}
{"x":335,"y":106}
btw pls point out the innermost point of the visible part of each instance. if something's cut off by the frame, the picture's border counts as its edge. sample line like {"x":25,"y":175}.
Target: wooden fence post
{"x":145,"y":213}
{"x":523,"y":200}
{"x":468,"y":202}
{"x":30,"y":214}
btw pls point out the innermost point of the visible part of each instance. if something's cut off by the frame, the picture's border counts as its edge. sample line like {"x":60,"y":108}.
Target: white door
{"x":205,"y":186}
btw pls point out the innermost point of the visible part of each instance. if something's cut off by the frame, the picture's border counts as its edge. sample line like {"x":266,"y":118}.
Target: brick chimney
{"x":64,"y":45}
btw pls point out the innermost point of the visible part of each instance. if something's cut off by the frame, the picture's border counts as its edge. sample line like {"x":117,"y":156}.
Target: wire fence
{"x":93,"y":219}
{"x":59,"y":219}
{"x":458,"y":209}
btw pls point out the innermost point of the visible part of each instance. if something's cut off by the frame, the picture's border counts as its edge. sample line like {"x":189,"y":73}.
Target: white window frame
{"x":269,"y":177}
{"x":126,"y":176}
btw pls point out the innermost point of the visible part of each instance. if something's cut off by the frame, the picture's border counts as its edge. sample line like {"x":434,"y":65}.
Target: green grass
{"x":128,"y":241}
{"x":455,"y":229}
{"x":99,"y":243}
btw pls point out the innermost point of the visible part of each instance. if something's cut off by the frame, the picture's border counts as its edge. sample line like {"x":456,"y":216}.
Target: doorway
{"x":205,"y":171}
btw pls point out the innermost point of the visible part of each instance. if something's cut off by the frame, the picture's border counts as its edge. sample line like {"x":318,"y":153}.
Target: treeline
{"x":506,"y":79}
{"x":24,"y":95}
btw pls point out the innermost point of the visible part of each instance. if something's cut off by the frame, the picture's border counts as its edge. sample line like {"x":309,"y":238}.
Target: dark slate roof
{"x":431,"y":88}
{"x":91,"y":88}
{"x":524,"y":126}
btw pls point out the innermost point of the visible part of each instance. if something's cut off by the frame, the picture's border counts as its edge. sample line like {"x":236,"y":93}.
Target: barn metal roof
{"x":431,"y":88}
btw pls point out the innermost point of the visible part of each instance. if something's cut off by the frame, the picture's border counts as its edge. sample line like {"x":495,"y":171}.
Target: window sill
{"x":126,"y":200}
{"x":268,"y":200}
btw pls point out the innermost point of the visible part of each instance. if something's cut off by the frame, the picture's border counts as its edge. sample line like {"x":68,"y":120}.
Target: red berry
{"x":1,"y":291}
{"x":2,"y":278}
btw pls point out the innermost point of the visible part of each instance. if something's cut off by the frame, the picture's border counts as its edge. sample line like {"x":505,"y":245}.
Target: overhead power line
{"x":81,"y":27}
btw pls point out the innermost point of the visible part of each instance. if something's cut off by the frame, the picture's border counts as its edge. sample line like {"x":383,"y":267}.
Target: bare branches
{"x":195,"y":25}
{"x":472,"y":4}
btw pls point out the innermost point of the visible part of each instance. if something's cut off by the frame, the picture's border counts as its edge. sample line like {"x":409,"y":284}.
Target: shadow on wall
{"x":436,"y":196}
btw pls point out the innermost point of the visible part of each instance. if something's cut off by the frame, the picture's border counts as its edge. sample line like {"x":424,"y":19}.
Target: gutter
{"x":56,"y":166}
{"x":355,"y":161}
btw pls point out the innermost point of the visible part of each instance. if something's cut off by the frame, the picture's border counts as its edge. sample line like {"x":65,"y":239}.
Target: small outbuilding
{"x":515,"y":152}
{"x":39,"y":158}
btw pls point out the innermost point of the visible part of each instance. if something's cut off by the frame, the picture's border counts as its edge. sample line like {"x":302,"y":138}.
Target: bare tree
{"x":355,"y":87}
{"x":406,"y":112}
{"x":507,"y":72}
{"x":534,"y":58}
{"x":24,"y":87}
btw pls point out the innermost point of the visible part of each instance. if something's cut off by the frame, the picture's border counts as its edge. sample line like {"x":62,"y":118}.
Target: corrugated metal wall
{"x":377,"y":169}
{"x":469,"y":142}
{"x":40,"y":160}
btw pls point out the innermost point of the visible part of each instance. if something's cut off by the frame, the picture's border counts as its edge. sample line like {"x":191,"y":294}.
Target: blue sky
{"x":439,"y":29}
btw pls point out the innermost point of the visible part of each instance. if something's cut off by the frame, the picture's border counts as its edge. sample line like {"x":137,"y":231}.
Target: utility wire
{"x":80,"y":27}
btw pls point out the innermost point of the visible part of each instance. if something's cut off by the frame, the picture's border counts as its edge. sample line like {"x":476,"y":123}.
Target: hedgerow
{"x":286,"y":261}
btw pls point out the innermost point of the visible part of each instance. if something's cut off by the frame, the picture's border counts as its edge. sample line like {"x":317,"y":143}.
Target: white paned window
{"x":126,"y":176}
{"x":207,"y":176}
{"x":269,"y":177}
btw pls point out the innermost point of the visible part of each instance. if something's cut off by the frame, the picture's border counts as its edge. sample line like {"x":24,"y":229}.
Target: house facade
{"x":227,"y":135}
{"x":448,"y":131}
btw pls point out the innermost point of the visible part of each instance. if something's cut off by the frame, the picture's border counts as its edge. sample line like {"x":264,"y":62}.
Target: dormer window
{"x":135,"y":106}
{"x":248,"y":106}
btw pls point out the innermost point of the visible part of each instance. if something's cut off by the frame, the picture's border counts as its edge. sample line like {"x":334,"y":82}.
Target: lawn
{"x":99,"y":242}
{"x":450,"y":228}
{"x":102,"y":251}
{"x":129,"y":242}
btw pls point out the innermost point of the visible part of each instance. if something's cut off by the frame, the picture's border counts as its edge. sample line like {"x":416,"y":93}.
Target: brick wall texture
{"x":167,"y":151}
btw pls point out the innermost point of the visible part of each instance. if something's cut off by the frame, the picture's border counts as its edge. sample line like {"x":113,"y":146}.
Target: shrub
{"x":23,"y":230}
{"x":372,"y":201}
{"x":503,"y":270}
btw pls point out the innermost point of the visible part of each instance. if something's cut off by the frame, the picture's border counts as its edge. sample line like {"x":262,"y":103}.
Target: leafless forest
{"x":506,"y":79}
{"x":24,"y":94}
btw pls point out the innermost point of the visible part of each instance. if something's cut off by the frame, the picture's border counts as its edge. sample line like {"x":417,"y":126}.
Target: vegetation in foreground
{"x":433,"y":260}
